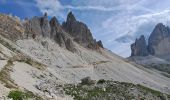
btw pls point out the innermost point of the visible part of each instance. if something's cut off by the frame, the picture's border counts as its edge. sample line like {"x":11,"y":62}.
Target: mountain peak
{"x":139,"y":48}
{"x":159,"y":34}
{"x":160,"y":25}
{"x":54,"y":21}
{"x":45,"y":14}
{"x":80,"y":32}
{"x":157,"y":43}
{"x":70,"y":17}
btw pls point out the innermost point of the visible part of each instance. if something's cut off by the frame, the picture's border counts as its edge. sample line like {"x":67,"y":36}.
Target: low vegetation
{"x":22,"y":58}
{"x":161,"y":67}
{"x":109,"y":90}
{"x":5,"y":75}
{"x":19,"y":95}
{"x":87,"y":81}
{"x":9,"y":46}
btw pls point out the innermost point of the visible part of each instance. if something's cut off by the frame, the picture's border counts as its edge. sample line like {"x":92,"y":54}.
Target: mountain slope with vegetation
{"x":44,"y":62}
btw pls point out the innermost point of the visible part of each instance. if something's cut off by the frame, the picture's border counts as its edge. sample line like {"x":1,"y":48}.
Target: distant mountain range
{"x":157,"y":44}
{"x":155,"y":52}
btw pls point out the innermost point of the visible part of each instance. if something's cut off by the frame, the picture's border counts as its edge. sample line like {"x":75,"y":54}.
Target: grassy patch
{"x":19,"y":95}
{"x":91,"y":92}
{"x":162,"y":67}
{"x":149,"y":90}
{"x":112,"y":90}
{"x":101,"y":81}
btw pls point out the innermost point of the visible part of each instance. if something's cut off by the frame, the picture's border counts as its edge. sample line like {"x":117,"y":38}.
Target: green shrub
{"x":87,"y":81}
{"x":101,"y":81}
{"x":17,"y":95}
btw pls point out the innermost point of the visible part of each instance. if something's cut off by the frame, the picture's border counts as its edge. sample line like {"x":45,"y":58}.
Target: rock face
{"x":100,"y":43}
{"x":40,"y":26}
{"x":37,"y":26}
{"x":139,"y":48}
{"x":57,"y":32}
{"x":79,"y":31}
{"x":159,"y":40}
{"x":71,"y":30}
{"x":10,"y":27}
{"x":45,"y":26}
{"x":60,"y":36}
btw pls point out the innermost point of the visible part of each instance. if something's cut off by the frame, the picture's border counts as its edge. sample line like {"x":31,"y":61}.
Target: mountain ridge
{"x":43,"y":65}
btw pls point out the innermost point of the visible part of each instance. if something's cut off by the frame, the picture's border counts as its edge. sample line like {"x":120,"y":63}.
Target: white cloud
{"x":131,"y":25}
{"x":54,"y":7}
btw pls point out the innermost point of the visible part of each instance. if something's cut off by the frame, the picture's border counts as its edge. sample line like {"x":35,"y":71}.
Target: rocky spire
{"x":45,"y":14}
{"x":79,"y":31}
{"x":100,"y":43}
{"x":60,"y":36}
{"x":70,"y":17}
{"x":139,"y":48}
{"x":54,"y":21}
{"x":159,"y":40}
{"x":55,"y":27}
{"x":45,"y":26}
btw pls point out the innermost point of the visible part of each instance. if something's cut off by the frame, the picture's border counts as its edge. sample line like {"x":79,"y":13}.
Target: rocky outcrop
{"x":159,"y":40}
{"x":45,"y":26}
{"x":79,"y":31}
{"x":100,"y":44}
{"x":32,"y":26}
{"x":55,"y":26}
{"x":40,"y":26}
{"x":139,"y":48}
{"x":57,"y":32}
{"x":70,"y":45}
{"x":60,"y":36}
{"x":71,"y":30}
{"x":10,"y":27}
{"x":37,"y":26}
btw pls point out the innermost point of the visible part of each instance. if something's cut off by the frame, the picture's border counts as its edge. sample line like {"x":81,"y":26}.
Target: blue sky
{"x":116,"y":22}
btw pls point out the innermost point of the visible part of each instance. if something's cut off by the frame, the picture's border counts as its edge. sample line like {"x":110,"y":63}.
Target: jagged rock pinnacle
{"x":45,"y":14}
{"x":139,"y":48}
{"x":159,"y":40}
{"x":79,"y":31}
{"x":70,"y":17}
{"x":54,"y":21}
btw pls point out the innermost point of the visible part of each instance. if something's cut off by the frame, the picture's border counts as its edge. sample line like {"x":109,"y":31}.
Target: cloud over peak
{"x":116,"y":22}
